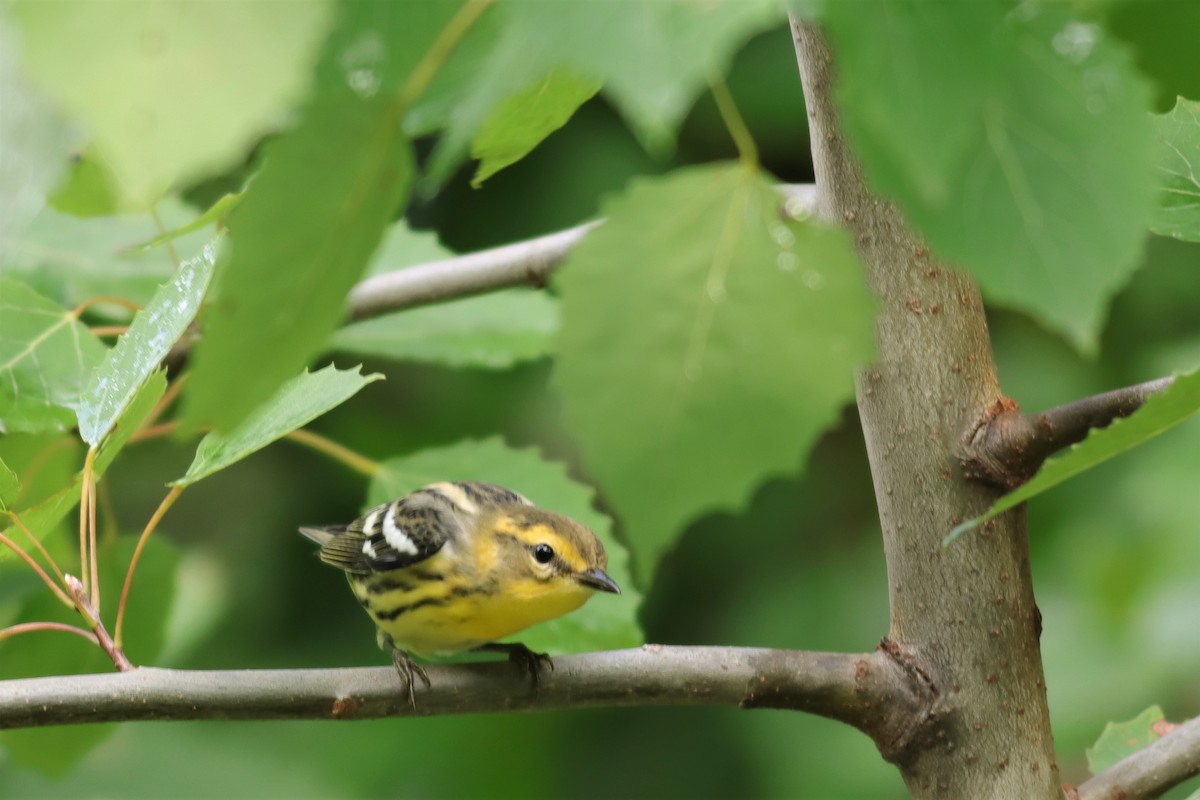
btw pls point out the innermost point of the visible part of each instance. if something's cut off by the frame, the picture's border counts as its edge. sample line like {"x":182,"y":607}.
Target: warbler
{"x":457,"y":565}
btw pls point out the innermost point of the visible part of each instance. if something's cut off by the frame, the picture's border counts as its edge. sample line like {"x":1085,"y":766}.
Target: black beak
{"x":596,"y":579}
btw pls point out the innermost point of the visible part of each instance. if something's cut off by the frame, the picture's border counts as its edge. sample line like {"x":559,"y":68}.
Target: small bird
{"x":457,"y":565}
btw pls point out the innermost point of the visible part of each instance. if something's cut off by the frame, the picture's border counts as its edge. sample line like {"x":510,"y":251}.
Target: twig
{"x":871,"y":691}
{"x":91,"y":615}
{"x":1150,"y":771}
{"x":1007,"y":447}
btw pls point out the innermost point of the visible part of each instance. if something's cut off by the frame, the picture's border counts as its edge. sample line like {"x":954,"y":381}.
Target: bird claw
{"x":409,"y":670}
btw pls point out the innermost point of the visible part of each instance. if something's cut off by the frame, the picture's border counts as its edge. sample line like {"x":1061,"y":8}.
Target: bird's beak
{"x":598,"y":580}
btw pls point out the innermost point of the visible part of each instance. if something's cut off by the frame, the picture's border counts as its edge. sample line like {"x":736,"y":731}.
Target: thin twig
{"x":1150,"y":771}
{"x":355,"y":461}
{"x":20,"y":523}
{"x":1007,"y":447}
{"x":41,"y":573}
{"x":869,"y":691}
{"x":91,"y":615}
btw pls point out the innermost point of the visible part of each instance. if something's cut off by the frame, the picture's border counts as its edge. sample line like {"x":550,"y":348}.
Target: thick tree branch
{"x":1150,"y":771}
{"x":1006,"y":447}
{"x":874,"y":692}
{"x":520,"y":264}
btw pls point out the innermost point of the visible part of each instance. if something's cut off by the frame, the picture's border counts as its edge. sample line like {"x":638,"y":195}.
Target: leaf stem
{"x":162,"y":231}
{"x":109,"y":330}
{"x":153,"y":431}
{"x":419,"y":79}
{"x":155,"y":518}
{"x":315,"y":441}
{"x":747,"y":150}
{"x":36,"y":567}
{"x":84,"y":495}
{"x":102,"y":299}
{"x":30,"y":627}
{"x":20,"y":523}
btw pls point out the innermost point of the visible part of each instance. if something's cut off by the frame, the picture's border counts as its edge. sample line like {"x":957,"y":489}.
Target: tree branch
{"x":520,"y":264}
{"x":1150,"y":771}
{"x":874,"y":692}
{"x":1007,"y":447}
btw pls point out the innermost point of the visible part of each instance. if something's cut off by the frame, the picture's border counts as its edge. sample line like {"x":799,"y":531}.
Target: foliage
{"x":687,"y":363}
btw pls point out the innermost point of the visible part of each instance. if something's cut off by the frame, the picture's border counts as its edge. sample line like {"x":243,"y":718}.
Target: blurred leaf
{"x":216,"y":215}
{"x":1159,"y":413}
{"x":493,"y":330}
{"x":89,"y":189}
{"x":56,"y":750}
{"x":36,"y":140}
{"x":1162,"y":35}
{"x":1021,"y":188}
{"x":10,"y":485}
{"x":295,"y":254}
{"x":669,"y":51}
{"x":141,"y":349}
{"x":298,"y":402}
{"x":1122,"y":739}
{"x":45,"y":358}
{"x":403,"y":247}
{"x":526,"y":118}
{"x":43,"y":518}
{"x":171,"y":90}
{"x":696,"y":305}
{"x":604,"y":622}
{"x":149,"y":392}
{"x":1178,"y":212}
{"x":70,"y":259}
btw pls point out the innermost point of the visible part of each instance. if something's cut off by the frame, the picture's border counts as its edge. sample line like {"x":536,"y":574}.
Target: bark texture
{"x":963,"y":617}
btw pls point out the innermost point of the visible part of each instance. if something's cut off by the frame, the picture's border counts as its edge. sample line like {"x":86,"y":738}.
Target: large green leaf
{"x":170,"y":90}
{"x":69,"y":259}
{"x":295,"y":254}
{"x":298,"y":402}
{"x":706,"y":342}
{"x":653,"y":58}
{"x":1159,"y":413}
{"x":45,"y":358}
{"x":525,"y":119}
{"x":154,"y":331}
{"x":1178,"y":212}
{"x":606,"y":621}
{"x":1006,"y":168}
{"x":55,"y":750}
{"x":1122,"y":739}
{"x":493,"y":330}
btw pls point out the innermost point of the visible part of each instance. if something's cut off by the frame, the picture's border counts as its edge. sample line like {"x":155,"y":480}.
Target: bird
{"x":456,"y":565}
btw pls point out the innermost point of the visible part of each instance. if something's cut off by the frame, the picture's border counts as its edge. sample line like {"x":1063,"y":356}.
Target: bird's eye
{"x":543,"y":553}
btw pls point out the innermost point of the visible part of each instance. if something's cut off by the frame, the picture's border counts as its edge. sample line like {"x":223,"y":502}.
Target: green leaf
{"x":706,"y":342}
{"x":154,"y":331}
{"x":669,"y":51}
{"x":45,"y":358}
{"x":1178,"y":211}
{"x":526,"y":118}
{"x":1162,"y":35}
{"x":70,"y":260}
{"x":1158,"y":414}
{"x":171,"y":90}
{"x":605,"y":622}
{"x":298,"y":402}
{"x":403,"y":247}
{"x":43,"y":518}
{"x":1122,"y":739}
{"x":1022,"y":188}
{"x":50,"y":653}
{"x":36,"y":139}
{"x":10,"y":486}
{"x":295,"y":254}
{"x":216,"y":215}
{"x":493,"y":330}
{"x":89,"y":189}
{"x":136,"y":411}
